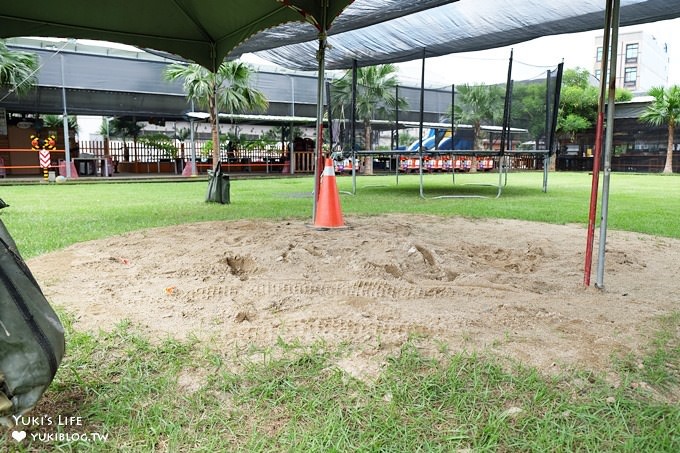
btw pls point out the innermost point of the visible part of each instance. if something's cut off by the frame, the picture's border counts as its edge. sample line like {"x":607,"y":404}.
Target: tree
{"x":227,"y":89}
{"x":375,"y":98}
{"x":123,"y":128}
{"x":665,"y":109}
{"x":478,"y":105}
{"x":18,"y":69}
{"x":578,"y":102}
{"x":56,"y":121}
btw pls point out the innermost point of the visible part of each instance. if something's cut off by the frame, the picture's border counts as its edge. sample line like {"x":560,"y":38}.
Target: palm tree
{"x":228,"y":89}
{"x":17,"y":69}
{"x":665,"y":109}
{"x":56,"y":121}
{"x":375,"y":98}
{"x":123,"y":128}
{"x":478,"y":105}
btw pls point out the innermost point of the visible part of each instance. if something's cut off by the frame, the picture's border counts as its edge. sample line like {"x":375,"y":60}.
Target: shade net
{"x":516,"y":115}
{"x":532,"y":107}
{"x":461,"y":26}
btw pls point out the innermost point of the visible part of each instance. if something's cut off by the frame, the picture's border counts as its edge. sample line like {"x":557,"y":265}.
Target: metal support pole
{"x":453,"y":130}
{"x":318,"y":153}
{"x":547,"y":133}
{"x":505,"y":130}
{"x":422,"y":119}
{"x":548,"y":121}
{"x":216,"y":145}
{"x":609,"y":139}
{"x":194,"y":171}
{"x":503,"y":163}
{"x":67,"y":145}
{"x":330,"y":117}
{"x":396,"y":122}
{"x":598,"y":145}
{"x":553,"y":125}
{"x":291,"y":138}
{"x":193,"y":148}
{"x":353,"y":126}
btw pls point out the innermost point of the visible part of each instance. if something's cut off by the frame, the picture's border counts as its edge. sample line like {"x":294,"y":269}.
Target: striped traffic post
{"x":45,"y":161}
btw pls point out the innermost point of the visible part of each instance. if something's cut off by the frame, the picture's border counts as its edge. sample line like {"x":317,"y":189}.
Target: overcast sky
{"x":533,"y":58}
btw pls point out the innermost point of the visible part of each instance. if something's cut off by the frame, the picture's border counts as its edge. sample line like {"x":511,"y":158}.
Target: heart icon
{"x":19,"y":435}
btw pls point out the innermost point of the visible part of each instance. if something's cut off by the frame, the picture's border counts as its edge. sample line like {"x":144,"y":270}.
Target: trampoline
{"x":437,"y":151}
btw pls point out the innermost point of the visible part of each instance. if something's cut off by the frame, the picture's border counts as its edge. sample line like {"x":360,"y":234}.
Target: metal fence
{"x":139,"y":157}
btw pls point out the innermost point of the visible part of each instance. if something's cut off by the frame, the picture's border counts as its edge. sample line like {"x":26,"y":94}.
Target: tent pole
{"x":453,"y":126}
{"x":291,"y":138}
{"x":318,"y":153}
{"x":396,"y":122}
{"x":547,"y":113}
{"x":193,"y":142}
{"x":422,"y":119}
{"x":216,"y":146}
{"x":353,"y":126}
{"x":67,"y":145}
{"x":609,"y":139}
{"x":505,"y":130}
{"x":330,"y":117}
{"x":598,"y":144}
{"x":193,"y":148}
{"x":553,"y":125}
{"x":546,"y":162}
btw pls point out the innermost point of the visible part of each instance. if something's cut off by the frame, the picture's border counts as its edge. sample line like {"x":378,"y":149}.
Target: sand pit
{"x":509,"y":287}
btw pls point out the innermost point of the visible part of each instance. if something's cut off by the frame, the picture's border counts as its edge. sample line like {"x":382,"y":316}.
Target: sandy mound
{"x":511,"y":287}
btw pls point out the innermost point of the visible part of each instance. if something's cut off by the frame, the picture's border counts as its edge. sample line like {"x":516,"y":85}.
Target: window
{"x":598,"y":57}
{"x":630,"y":77}
{"x":598,"y":74}
{"x":632,"y":53}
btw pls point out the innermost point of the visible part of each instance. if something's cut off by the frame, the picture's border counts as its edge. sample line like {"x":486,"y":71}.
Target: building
{"x":642,"y":61}
{"x":95,"y":80}
{"x":637,"y":146}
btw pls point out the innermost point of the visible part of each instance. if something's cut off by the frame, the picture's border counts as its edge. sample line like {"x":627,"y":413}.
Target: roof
{"x":287,"y":32}
{"x":309,"y":120}
{"x":102,"y":80}
{"x":465,"y":26}
{"x":205,"y":31}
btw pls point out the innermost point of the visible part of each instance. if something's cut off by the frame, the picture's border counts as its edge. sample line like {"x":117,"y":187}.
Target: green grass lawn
{"x":171,"y":396}
{"x":147,"y":394}
{"x":43,"y":218}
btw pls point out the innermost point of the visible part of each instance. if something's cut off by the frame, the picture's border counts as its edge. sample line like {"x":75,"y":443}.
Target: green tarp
{"x":31,"y":335}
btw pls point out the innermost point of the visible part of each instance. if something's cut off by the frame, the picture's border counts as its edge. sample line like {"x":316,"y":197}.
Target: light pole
{"x":193,"y":142}
{"x":67,"y":147}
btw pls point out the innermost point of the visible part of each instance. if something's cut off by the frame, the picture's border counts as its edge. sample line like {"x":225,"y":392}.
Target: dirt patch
{"x":510,"y":287}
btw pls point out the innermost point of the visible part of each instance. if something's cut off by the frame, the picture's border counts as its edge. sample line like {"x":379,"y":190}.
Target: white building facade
{"x":642,"y":61}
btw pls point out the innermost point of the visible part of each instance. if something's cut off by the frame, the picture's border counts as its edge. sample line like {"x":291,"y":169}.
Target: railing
{"x":25,"y":161}
{"x":653,"y":163}
{"x":137,"y":157}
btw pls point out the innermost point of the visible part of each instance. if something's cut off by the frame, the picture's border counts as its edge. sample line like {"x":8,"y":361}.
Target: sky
{"x":530,"y":59}
{"x":533,"y":58}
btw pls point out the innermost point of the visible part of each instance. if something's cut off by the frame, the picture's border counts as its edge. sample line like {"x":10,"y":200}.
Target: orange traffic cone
{"x":328,"y":210}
